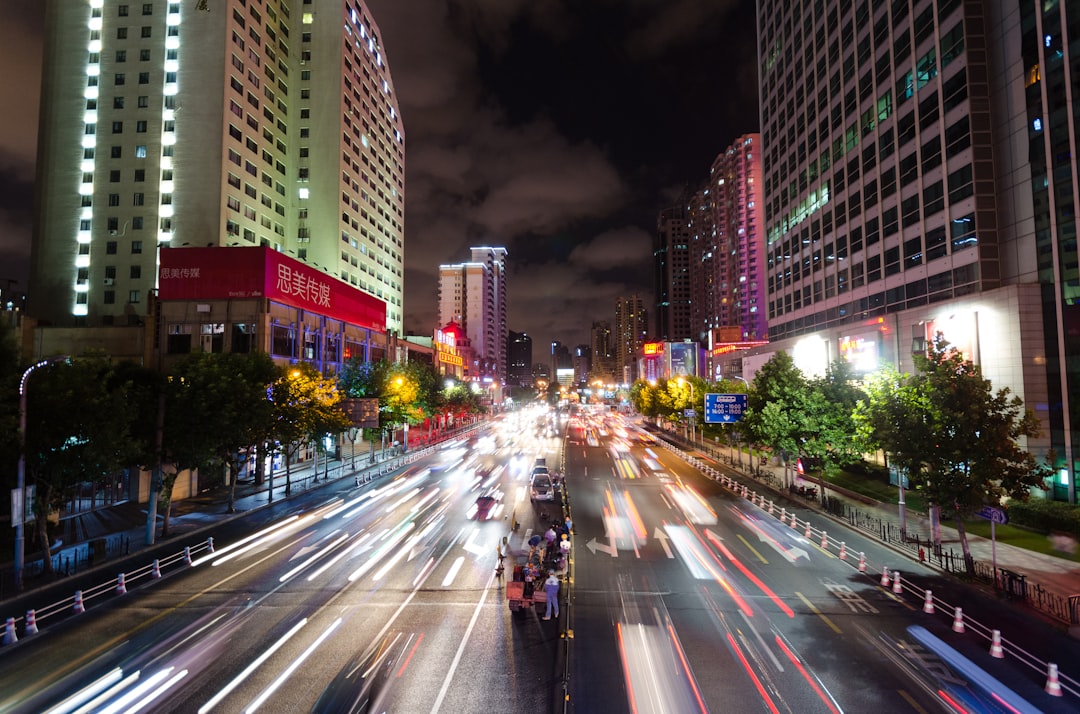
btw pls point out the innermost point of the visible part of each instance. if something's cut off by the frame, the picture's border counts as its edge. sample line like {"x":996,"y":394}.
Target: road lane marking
{"x":661,"y":536}
{"x":461,"y":648}
{"x":819,"y":613}
{"x":911,"y":700}
{"x":753,"y":550}
{"x":452,"y":573}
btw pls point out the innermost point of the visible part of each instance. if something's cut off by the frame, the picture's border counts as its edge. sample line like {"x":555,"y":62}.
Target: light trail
{"x":268,"y":692}
{"x":256,"y":663}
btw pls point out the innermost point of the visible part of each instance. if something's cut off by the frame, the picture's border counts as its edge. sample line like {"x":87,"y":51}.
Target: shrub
{"x":1045,"y":516}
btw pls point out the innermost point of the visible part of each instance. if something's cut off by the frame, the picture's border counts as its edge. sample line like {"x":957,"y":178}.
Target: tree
{"x":304,"y":406}
{"x":825,"y":416}
{"x":776,"y":406}
{"x":218,"y":410}
{"x":80,"y":424}
{"x":957,"y":439}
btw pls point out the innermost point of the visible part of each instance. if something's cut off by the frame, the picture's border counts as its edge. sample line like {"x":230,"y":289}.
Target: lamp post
{"x":20,"y":484}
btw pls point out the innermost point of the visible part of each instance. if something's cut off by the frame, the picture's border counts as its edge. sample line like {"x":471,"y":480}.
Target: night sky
{"x":557,"y":129}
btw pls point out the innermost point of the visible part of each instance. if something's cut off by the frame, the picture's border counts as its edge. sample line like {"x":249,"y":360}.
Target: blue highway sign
{"x":724,"y":408}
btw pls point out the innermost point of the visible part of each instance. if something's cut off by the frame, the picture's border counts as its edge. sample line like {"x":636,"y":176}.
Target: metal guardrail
{"x":1000,"y":647}
{"x":76,"y":604}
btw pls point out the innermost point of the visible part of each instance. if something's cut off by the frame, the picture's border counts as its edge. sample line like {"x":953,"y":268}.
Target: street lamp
{"x":19,"y":513}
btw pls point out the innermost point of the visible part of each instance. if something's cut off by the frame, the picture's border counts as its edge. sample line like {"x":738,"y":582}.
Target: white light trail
{"x":453,"y":571}
{"x":261,"y":699}
{"x":243,"y":541}
{"x":89,"y":691}
{"x":314,"y":556}
{"x":238,"y":680}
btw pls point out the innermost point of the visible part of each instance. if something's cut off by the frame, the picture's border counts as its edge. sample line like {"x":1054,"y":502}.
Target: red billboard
{"x":221,"y":273}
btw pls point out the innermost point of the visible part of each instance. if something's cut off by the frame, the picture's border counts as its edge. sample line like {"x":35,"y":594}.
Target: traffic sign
{"x":997,"y":515}
{"x":724,"y":408}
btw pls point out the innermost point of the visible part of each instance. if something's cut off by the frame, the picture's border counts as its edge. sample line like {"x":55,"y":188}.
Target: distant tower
{"x":631,"y":328}
{"x":473,"y":294}
{"x":603,"y":356}
{"x":671,"y":260}
{"x":519,"y":359}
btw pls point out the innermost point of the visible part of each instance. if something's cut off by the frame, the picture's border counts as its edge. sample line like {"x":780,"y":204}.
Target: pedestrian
{"x":564,"y":545}
{"x":551,"y":590}
{"x":568,"y":524}
{"x":549,"y":536}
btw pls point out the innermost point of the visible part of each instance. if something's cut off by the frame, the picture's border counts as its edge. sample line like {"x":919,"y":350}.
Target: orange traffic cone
{"x":824,"y":540}
{"x":996,"y":650}
{"x":121,"y":585}
{"x":31,"y":627}
{"x":928,"y":604}
{"x":862,"y":562}
{"x":78,"y":606}
{"x":155,"y":569}
{"x":1053,"y":687}
{"x":806,"y":533}
{"x":897,"y":586}
{"x":843,"y":550}
{"x":885,"y":576}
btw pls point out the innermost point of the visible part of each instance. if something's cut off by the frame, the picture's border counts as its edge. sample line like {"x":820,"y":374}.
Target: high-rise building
{"x":519,"y":359}
{"x":671,"y":261}
{"x":582,"y":362}
{"x":918,"y":179}
{"x":738,"y":219}
{"x":603,"y":356}
{"x":224,"y":123}
{"x":473,"y":294}
{"x":710,"y":304}
{"x":631,"y":328}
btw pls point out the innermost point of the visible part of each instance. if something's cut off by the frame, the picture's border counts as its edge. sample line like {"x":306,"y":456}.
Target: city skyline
{"x":568,"y":185}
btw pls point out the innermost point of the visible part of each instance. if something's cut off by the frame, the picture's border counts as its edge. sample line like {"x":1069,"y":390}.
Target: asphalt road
{"x":382,"y":598}
{"x":688,"y":598}
{"x":685,"y":598}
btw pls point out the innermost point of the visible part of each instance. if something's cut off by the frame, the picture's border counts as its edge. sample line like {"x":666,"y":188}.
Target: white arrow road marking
{"x":472,"y":547}
{"x":609,"y":549}
{"x":663,"y":538}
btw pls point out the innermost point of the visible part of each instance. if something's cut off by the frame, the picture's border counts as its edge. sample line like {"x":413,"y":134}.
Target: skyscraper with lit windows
{"x":918,"y":178}
{"x":473,"y":295}
{"x":171,"y":123}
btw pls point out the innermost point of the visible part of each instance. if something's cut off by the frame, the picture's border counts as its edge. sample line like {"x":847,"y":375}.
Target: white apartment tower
{"x":227,"y":122}
{"x":473,"y":295}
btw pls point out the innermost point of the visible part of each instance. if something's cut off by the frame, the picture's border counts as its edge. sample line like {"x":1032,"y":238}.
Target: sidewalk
{"x":1059,"y":575}
{"x":120,"y":530}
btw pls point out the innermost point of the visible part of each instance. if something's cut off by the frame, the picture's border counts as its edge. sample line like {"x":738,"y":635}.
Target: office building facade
{"x":519,"y":359}
{"x":631,"y":329}
{"x":473,"y":295}
{"x":914,"y":183}
{"x":671,"y":261}
{"x":228,"y":123}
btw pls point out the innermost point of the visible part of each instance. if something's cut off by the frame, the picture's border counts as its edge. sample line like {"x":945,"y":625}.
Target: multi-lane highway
{"x":685,"y":598}
{"x":377,"y":598}
{"x":689,"y":598}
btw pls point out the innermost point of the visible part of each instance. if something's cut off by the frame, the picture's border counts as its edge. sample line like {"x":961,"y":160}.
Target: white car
{"x":540,"y":487}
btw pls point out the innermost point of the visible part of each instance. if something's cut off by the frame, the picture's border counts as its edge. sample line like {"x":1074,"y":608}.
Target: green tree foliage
{"x":776,"y":405}
{"x":304,"y":407}
{"x":955,"y":436}
{"x":218,"y":410}
{"x":81,"y":419}
{"x":825,"y":415}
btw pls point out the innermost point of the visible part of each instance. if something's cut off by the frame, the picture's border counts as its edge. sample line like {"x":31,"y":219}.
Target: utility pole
{"x":156,"y":478}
